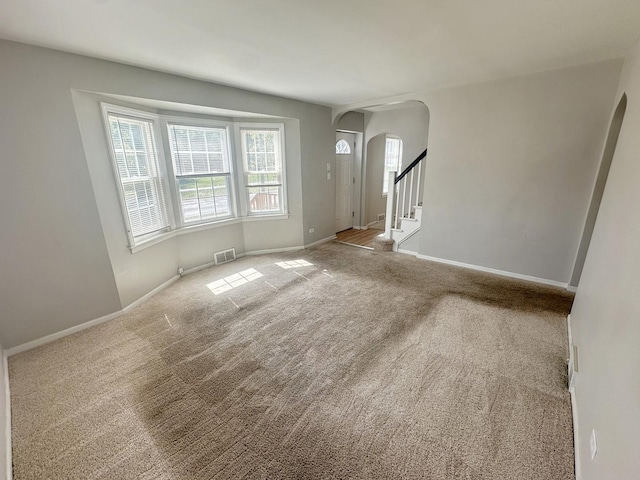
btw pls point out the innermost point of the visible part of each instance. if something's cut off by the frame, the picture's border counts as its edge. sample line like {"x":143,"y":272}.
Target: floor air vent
{"x":224,"y":256}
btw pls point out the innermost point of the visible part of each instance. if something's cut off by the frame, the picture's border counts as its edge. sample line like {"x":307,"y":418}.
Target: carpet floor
{"x":332,"y":362}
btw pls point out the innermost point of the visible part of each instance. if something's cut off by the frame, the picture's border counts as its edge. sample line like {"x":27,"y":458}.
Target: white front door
{"x":344,"y":180}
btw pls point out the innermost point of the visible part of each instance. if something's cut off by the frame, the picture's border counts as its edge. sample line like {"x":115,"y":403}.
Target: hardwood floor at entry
{"x":360,"y":238}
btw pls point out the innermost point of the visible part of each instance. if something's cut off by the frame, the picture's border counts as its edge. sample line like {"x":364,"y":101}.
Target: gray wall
{"x":351,"y":121}
{"x":411,"y":124}
{"x":606,"y":313}
{"x":598,"y":189}
{"x":511,"y":168}
{"x":55,"y":249}
{"x":4,"y":420}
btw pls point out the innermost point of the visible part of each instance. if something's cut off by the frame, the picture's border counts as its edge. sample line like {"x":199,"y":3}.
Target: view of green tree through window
{"x":179,"y":171}
{"x":262,"y":159}
{"x":201,"y":162}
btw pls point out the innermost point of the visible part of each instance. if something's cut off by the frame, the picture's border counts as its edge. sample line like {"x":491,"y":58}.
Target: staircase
{"x":403,"y":217}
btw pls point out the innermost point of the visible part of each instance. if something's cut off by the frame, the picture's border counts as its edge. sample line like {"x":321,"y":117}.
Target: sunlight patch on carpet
{"x":294,"y":264}
{"x":233,"y":281}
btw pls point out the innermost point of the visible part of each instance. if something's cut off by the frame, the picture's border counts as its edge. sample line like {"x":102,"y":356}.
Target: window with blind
{"x":392,"y":160}
{"x":263,"y":165}
{"x":137,"y":167}
{"x":202,"y":166}
{"x":175,"y":172}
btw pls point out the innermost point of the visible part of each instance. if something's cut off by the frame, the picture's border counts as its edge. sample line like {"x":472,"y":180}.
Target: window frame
{"x":159,"y":122}
{"x":241,"y":177}
{"x":154,"y":121}
{"x":167,"y":121}
{"x":385,"y":172}
{"x":343,"y":141}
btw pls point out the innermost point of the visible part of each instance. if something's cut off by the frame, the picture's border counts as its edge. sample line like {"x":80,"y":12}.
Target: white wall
{"x":411,"y":124}
{"x":606,"y":313}
{"x":511,"y":167}
{"x":58,"y":249}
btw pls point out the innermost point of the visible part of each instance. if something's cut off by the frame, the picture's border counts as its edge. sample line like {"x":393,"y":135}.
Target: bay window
{"x":196,"y":178}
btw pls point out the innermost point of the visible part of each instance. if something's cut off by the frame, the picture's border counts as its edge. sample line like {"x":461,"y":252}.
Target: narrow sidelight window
{"x":392,"y":160}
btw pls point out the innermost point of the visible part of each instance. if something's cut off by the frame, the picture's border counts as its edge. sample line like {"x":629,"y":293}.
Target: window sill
{"x":257,"y":218}
{"x":203,"y":226}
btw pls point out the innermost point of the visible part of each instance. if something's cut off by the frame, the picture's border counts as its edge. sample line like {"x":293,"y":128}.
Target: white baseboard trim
{"x":201,"y":267}
{"x":271,"y":250}
{"x":360,"y":227}
{"x":576,"y":437}
{"x":571,"y":367}
{"x":7,"y":417}
{"x":407,"y":252}
{"x":91,"y":323}
{"x":318,"y":242}
{"x":63,"y":333}
{"x":574,"y":407}
{"x":572,"y":289}
{"x":97,"y":321}
{"x":147,"y":296}
{"x":502,"y":273}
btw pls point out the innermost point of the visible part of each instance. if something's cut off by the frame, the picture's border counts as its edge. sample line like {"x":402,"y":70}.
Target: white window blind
{"x":202,"y":165}
{"x":263,"y":170}
{"x":136,"y":162}
{"x":392,"y":154}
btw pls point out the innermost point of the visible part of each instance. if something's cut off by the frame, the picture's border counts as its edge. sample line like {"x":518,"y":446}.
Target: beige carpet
{"x":362,"y":365}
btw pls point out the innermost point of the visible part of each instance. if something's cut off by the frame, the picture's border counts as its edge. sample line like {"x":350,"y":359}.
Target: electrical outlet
{"x":311,"y":230}
{"x":593,"y":444}
{"x":328,"y":175}
{"x":328,"y":167}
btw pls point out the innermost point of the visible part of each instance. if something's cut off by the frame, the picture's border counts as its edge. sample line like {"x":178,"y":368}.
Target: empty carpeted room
{"x":330,"y":240}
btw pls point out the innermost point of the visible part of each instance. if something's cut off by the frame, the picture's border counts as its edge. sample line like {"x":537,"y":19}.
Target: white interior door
{"x":344,"y":180}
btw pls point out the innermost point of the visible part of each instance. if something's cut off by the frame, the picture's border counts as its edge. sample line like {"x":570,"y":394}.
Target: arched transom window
{"x":342,"y":147}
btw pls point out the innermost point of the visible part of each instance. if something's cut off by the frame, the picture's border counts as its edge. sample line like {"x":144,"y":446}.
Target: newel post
{"x":391,"y":196}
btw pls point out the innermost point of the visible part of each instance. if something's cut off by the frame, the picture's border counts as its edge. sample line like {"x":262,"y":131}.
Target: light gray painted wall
{"x":375,"y":203}
{"x":5,"y":447}
{"x":606,"y":313}
{"x":511,"y":167}
{"x":411,"y":243}
{"x":598,"y":189}
{"x":56,"y":248}
{"x":57,"y":270}
{"x":351,"y":121}
{"x":411,"y":124}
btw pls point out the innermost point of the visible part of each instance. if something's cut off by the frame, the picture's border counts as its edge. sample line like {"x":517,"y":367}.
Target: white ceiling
{"x":332,"y":52}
